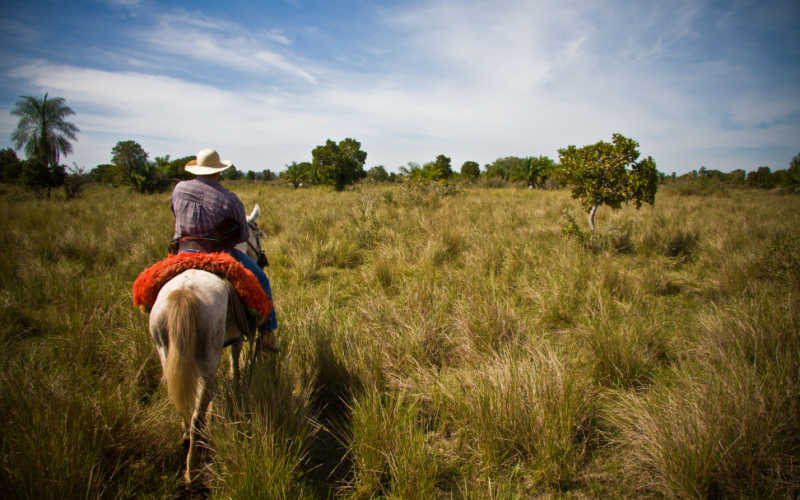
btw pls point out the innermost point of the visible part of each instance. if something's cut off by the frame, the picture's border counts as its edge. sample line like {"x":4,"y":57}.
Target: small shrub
{"x":573,"y":231}
{"x":681,"y":244}
{"x":619,"y":239}
{"x":75,"y":181}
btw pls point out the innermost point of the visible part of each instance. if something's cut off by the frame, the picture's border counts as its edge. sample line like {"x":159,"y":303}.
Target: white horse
{"x":195,"y":315}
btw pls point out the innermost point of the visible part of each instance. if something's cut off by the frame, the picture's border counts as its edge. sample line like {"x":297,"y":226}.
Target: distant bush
{"x":424,"y":193}
{"x":74,"y":182}
{"x":38,"y":176}
{"x":699,"y":186}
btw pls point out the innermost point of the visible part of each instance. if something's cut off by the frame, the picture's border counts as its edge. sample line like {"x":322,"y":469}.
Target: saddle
{"x":253,"y":297}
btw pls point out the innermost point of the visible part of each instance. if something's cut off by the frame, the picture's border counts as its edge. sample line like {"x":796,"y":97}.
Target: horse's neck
{"x":246,"y":249}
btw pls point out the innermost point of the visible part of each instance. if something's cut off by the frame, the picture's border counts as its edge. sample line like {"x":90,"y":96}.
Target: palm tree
{"x":43,"y":128}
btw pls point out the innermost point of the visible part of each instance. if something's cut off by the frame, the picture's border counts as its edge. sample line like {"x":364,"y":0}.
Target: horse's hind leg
{"x":196,"y":444}
{"x":236,"y":351}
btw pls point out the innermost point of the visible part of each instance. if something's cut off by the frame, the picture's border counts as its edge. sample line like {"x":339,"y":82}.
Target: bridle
{"x":262,"y":257}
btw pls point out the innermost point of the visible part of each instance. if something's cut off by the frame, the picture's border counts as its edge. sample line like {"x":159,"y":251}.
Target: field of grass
{"x":437,"y":343}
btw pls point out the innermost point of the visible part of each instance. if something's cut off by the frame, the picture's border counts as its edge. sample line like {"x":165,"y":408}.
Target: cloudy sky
{"x":697,"y":83}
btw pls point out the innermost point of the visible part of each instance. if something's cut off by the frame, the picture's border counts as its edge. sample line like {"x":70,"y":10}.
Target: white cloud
{"x":210,"y":41}
{"x":472,"y":81}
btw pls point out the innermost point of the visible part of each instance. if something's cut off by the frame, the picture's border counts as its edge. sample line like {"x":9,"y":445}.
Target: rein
{"x":262,"y":257}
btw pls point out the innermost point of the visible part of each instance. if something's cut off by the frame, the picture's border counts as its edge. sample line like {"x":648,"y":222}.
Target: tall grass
{"x":438,"y":342}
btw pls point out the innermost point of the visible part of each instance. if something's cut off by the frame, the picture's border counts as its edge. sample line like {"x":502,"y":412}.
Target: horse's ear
{"x":254,"y":214}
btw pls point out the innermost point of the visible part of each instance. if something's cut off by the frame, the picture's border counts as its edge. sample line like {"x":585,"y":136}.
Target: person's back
{"x":209,"y":218}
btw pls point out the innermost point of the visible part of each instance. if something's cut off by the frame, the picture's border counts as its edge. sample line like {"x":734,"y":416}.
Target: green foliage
{"x":43,"y":128}
{"x":540,"y":170}
{"x":413,"y":172}
{"x":107,"y":174}
{"x":232,"y":174}
{"x":176,"y":168}
{"x":378,"y":174}
{"x":761,"y":178}
{"x":572,"y":230}
{"x":37,"y":175}
{"x":10,"y":166}
{"x":74,"y":182}
{"x":510,"y":168}
{"x":534,"y":171}
{"x":608,"y":174}
{"x":470,"y":170}
{"x":131,"y":161}
{"x":299,"y":173}
{"x":794,"y":171}
{"x":339,"y":164}
{"x":438,"y":170}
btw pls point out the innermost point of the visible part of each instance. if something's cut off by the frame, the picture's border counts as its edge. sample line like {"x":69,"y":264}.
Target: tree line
{"x":45,"y":135}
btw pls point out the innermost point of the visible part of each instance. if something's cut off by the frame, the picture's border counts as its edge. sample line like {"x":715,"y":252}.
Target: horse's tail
{"x":180,"y":369}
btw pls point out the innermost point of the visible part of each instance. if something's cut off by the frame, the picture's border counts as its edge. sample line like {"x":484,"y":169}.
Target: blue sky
{"x":697,"y":83}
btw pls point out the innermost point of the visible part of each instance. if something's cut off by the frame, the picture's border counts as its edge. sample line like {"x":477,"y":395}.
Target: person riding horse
{"x":209,"y":218}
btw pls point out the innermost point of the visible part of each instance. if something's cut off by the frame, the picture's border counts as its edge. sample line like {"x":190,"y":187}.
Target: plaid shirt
{"x":199,"y":205}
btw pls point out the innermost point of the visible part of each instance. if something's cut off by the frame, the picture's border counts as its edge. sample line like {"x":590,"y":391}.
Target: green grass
{"x":438,"y":342}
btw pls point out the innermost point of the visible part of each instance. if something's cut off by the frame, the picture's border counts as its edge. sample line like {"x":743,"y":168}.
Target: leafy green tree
{"x":470,"y":170}
{"x":10,"y":166}
{"x":510,"y":168}
{"x":161,"y":163}
{"x":267,"y":175}
{"x":232,"y":174}
{"x":339,"y":164}
{"x":780,"y":178}
{"x":608,"y":174}
{"x":761,"y":178}
{"x":298,"y":173}
{"x":378,"y":174}
{"x":736,"y":177}
{"x":413,"y":172}
{"x":107,"y":173}
{"x":439,"y":169}
{"x":43,"y":129}
{"x":176,"y":168}
{"x":131,"y":161}
{"x":540,"y":170}
{"x":794,"y":171}
{"x":39,"y":176}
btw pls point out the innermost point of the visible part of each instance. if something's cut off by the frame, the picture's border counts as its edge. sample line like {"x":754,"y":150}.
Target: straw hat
{"x":207,"y":162}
